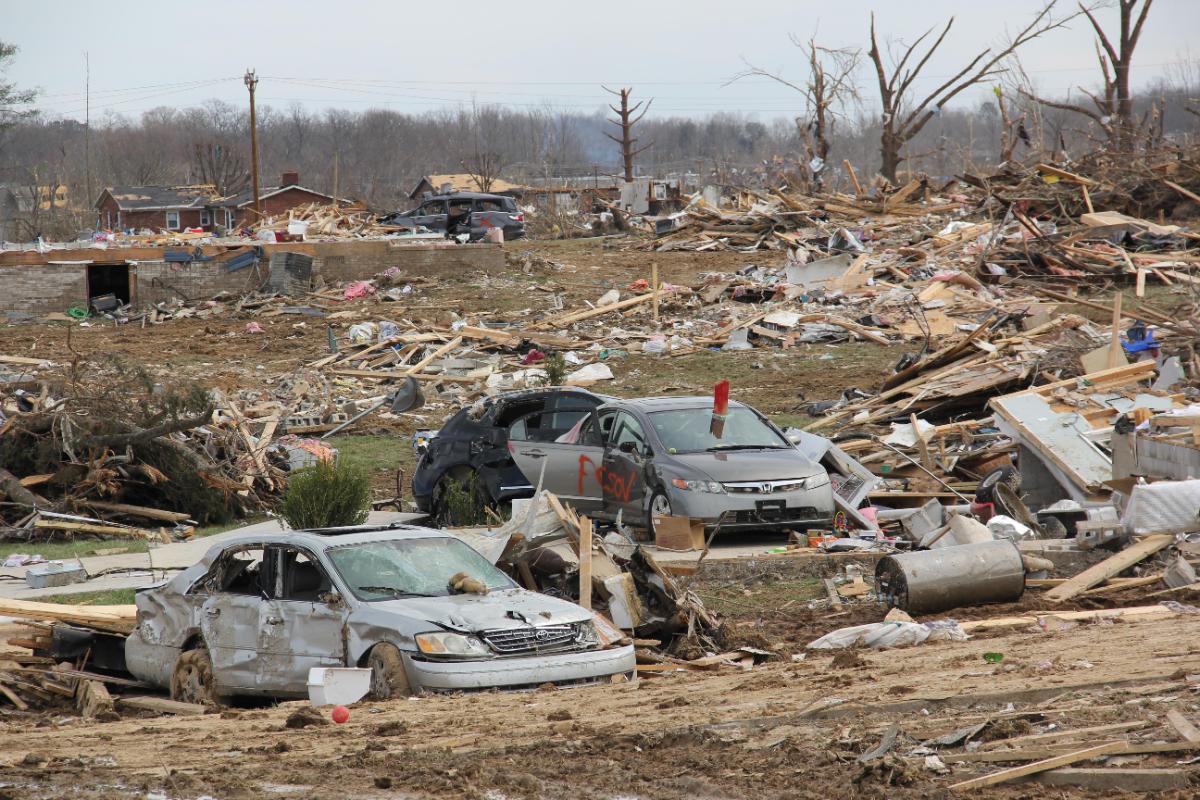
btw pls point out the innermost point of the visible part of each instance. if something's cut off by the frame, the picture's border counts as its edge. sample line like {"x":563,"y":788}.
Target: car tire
{"x":388,"y":678}
{"x":192,"y":679}
{"x":659,"y":503}
{"x":985,"y":493}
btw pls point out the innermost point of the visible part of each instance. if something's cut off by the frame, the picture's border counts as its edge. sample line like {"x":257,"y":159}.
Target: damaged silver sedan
{"x":418,"y":607}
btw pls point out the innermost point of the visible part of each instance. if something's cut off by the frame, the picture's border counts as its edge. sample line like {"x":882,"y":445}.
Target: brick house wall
{"x":279,"y":204}
{"x":112,"y":217}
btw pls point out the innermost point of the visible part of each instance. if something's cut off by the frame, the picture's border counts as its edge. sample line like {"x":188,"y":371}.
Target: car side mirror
{"x":330,"y":598}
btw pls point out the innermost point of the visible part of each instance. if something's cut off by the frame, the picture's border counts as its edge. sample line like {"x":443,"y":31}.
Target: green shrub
{"x":326,"y":495}
{"x":556,"y":369}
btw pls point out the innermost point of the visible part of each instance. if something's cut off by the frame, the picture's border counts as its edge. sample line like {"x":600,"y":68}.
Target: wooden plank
{"x":1038,"y":766}
{"x":585,"y":563}
{"x":13,"y":698}
{"x":103,"y":530}
{"x":1116,"y":355}
{"x":109,"y":617}
{"x":1131,"y":613}
{"x":1118,"y":779}
{"x":578,"y":316}
{"x":1185,"y":728}
{"x":162,"y":705}
{"x":1036,"y":753}
{"x":436,"y":354}
{"x":145,"y":512}
{"x":1098,"y":573}
{"x":1070,"y":733}
{"x":23,"y":361}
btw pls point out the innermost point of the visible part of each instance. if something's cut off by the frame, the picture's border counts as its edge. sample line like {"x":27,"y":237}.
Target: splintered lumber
{"x":436,"y":354}
{"x":1132,"y":613}
{"x":102,"y":530}
{"x":578,"y":316}
{"x":121,"y":618}
{"x":1185,"y":728}
{"x":162,"y":705}
{"x":1118,"y":779}
{"x":139,"y":511}
{"x":92,"y":698}
{"x":1098,"y":573}
{"x":13,"y":697}
{"x":1038,"y":766}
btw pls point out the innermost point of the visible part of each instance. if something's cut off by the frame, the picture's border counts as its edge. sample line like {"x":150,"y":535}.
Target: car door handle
{"x":274,"y":621}
{"x":213,"y":612}
{"x":534,"y":454}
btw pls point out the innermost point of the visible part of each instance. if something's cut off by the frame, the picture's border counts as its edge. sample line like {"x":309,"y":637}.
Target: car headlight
{"x":442,"y":643}
{"x":698,"y":486}
{"x":585,"y":634}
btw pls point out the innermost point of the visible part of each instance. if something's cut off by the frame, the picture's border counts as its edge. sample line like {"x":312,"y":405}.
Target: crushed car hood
{"x":501,"y":609}
{"x":750,"y":465}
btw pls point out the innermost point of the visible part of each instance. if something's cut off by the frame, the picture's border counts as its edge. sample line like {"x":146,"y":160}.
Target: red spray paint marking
{"x":612,"y":484}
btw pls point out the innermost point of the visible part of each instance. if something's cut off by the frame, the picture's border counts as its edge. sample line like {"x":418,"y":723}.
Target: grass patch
{"x":740,"y":600}
{"x":374,"y":453}
{"x":104,"y":597}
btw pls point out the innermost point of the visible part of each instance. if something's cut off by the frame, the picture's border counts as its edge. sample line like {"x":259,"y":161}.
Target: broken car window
{"x":243,"y":572}
{"x":686,"y":430}
{"x":302,"y":578}
{"x":489,"y":205}
{"x":411,"y":567}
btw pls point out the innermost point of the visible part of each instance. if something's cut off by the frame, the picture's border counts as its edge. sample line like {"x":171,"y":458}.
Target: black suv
{"x":464,"y":212}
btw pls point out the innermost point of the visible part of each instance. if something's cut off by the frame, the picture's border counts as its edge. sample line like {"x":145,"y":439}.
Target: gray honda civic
{"x":663,"y":456}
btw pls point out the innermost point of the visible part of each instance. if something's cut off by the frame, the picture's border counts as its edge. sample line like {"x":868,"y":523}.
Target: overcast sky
{"x":414,"y":56}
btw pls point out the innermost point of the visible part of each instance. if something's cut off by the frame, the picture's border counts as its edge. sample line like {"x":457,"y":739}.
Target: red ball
{"x":340,"y":714}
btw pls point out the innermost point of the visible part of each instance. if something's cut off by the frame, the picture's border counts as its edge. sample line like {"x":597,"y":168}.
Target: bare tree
{"x":625,"y":121}
{"x":221,"y":166}
{"x":827,"y":90}
{"x":904,"y":115}
{"x":1012,"y":129}
{"x":484,"y":168}
{"x":1113,"y":110}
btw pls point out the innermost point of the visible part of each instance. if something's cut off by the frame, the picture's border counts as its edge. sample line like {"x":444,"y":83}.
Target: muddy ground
{"x":788,"y":728}
{"x":793,"y":727}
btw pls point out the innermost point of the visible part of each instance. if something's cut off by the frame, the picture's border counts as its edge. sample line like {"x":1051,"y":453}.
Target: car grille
{"x":531,"y":641}
{"x":764,"y":487}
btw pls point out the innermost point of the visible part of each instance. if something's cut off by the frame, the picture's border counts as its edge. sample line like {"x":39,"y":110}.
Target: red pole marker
{"x":340,"y":714}
{"x":720,"y":409}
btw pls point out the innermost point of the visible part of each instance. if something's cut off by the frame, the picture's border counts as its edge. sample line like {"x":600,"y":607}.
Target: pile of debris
{"x":78,"y":677}
{"x":324,"y":221}
{"x":84,"y":456}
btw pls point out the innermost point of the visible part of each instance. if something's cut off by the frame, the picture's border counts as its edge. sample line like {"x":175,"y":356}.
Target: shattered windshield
{"x":687,"y":430}
{"x":401,"y":568}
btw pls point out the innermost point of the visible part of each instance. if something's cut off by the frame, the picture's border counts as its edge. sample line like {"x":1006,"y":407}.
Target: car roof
{"x":324,"y":538}
{"x":668,"y":403}
{"x":468,"y":196}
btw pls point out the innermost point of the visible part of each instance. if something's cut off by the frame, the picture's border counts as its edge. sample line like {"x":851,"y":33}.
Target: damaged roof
{"x":153,"y":198}
{"x":463,"y":182}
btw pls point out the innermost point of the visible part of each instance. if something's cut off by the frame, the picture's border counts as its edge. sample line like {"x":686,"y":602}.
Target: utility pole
{"x":87,"y":129}
{"x":251,"y":84}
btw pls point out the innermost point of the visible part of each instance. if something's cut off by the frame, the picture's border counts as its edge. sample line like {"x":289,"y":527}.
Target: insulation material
{"x":1163,"y":507}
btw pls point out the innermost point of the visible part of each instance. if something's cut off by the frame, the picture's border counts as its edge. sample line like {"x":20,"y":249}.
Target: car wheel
{"x":388,"y":678}
{"x":985,"y":492}
{"x":192,"y":678}
{"x":660,"y":506}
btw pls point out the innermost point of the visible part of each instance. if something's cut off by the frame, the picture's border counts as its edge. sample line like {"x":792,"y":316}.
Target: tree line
{"x":857,"y":106}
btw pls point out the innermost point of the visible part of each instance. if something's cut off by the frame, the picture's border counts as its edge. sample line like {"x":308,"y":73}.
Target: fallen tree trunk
{"x":12,"y":488}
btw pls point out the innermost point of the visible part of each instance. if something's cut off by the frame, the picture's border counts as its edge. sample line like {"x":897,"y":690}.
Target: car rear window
{"x":494,"y":204}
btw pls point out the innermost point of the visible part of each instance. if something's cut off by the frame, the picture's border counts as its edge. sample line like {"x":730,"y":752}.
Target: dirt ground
{"x":793,"y":727}
{"x":788,"y":728}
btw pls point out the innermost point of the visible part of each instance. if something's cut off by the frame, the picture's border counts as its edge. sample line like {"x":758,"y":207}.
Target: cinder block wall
{"x":43,"y":288}
{"x":158,"y":281}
